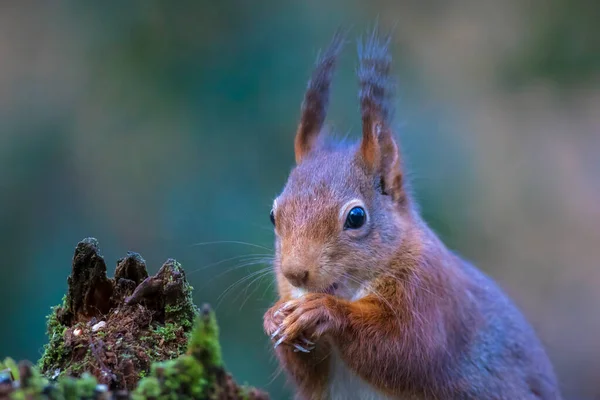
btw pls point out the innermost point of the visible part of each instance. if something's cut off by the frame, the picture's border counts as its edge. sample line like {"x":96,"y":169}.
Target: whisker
{"x":260,"y":272}
{"x":232,"y":242}
{"x":265,"y":269}
{"x":239,"y":282}
{"x":265,"y":227}
{"x":247,"y":296}
{"x":245,"y":290}
{"x":214,"y":264}
{"x":243,"y":264}
{"x":276,"y":374}
{"x":270,"y":286}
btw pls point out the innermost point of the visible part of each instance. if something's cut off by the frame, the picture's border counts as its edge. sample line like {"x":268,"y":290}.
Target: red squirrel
{"x":372,"y":304}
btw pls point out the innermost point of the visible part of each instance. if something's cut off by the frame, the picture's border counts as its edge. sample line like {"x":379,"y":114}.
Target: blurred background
{"x":155,"y":125}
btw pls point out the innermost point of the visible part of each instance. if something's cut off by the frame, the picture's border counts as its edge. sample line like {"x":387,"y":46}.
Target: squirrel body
{"x":372,"y":305}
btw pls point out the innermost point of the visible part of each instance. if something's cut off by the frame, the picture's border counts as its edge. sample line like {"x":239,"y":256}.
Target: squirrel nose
{"x":296,"y":276}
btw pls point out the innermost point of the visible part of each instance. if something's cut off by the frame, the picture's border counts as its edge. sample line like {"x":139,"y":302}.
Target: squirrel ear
{"x":378,"y":149}
{"x":390,"y":167}
{"x":316,"y":99}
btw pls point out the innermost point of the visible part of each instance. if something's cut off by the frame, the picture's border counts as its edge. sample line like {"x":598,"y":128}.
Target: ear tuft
{"x":316,"y":98}
{"x":378,"y":149}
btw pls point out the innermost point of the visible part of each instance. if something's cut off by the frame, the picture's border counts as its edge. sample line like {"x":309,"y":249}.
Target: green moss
{"x":32,"y":383}
{"x":204,"y":341}
{"x":74,"y":389}
{"x":168,"y":332}
{"x":36,"y":382}
{"x":195,"y":375}
{"x":56,"y":355}
{"x":18,"y":395}
{"x":186,"y":377}
{"x":11,"y":365}
{"x":54,"y":351}
{"x":166,"y":337}
{"x":180,"y":313}
{"x":245,"y":392}
{"x":68,"y":387}
{"x":161,"y":321}
{"x":183,"y":311}
{"x":182,"y":378}
{"x":147,"y":388}
{"x":86,"y":385}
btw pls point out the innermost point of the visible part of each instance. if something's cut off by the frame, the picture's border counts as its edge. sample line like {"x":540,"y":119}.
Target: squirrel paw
{"x":273,"y":320}
{"x":299,"y":323}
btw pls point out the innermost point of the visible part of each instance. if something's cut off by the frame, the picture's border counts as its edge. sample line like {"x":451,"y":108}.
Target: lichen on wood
{"x":133,"y":333}
{"x":115,"y":328}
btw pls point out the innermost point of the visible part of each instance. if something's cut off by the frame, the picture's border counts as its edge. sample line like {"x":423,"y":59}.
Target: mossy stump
{"x":133,"y":335}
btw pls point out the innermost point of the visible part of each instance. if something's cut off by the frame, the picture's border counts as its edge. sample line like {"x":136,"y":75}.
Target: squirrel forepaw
{"x":299,"y":323}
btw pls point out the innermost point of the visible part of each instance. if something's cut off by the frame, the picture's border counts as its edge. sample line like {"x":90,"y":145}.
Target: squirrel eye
{"x":272,"y":216}
{"x":356,"y":218}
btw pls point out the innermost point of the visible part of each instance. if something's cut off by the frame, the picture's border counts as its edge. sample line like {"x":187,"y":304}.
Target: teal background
{"x":156,"y":125}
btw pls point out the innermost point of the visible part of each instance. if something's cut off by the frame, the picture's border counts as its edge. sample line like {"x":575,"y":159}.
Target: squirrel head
{"x":340,"y":217}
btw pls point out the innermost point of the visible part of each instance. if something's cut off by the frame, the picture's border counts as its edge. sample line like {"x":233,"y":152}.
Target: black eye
{"x":356,"y":218}
{"x":272,"y":216}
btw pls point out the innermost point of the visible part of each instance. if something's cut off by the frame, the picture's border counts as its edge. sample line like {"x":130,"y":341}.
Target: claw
{"x":306,"y":341}
{"x":281,"y":339}
{"x":300,"y":348}
{"x":276,"y":313}
{"x":298,"y":351}
{"x":275,"y":333}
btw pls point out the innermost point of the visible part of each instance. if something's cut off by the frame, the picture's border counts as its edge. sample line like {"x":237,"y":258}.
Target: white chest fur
{"x":345,"y":385}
